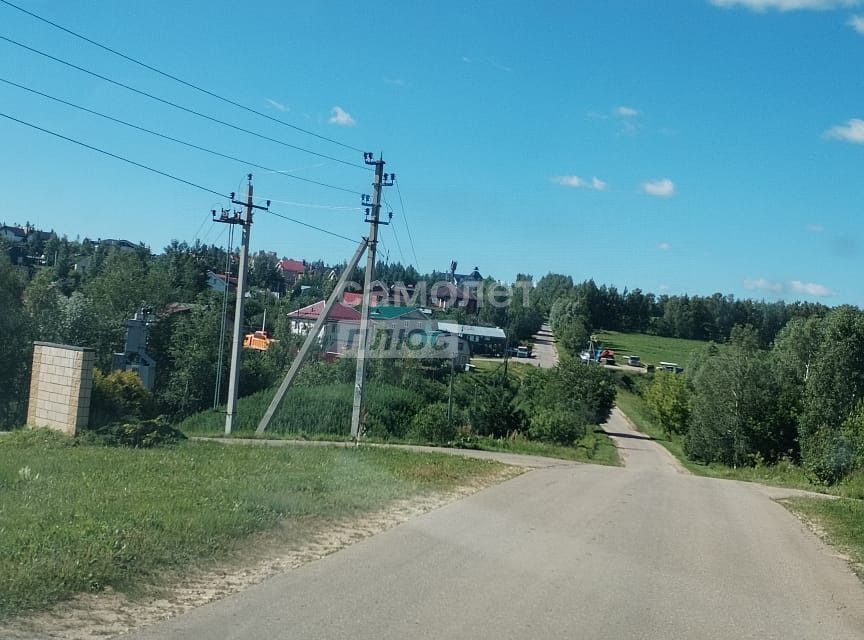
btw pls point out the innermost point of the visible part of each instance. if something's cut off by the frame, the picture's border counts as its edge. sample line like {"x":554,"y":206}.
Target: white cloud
{"x":786,"y":5}
{"x":811,"y":289}
{"x":663,"y":188}
{"x":761,"y":284}
{"x":857,"y":23}
{"x":664,"y":246}
{"x":341,"y":117}
{"x":466,"y":59}
{"x":815,"y":228}
{"x":852,"y":131}
{"x":276,"y":105}
{"x":597,"y":184}
{"x":397,"y":82}
{"x":626,"y":112}
{"x":576,"y":182}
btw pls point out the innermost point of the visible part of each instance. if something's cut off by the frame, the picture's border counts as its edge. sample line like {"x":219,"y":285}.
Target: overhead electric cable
{"x":177,"y":140}
{"x":312,"y":226}
{"x":395,"y":235}
{"x":407,"y":228}
{"x":178,"y":106}
{"x":163,"y":173}
{"x":176,"y":79}
{"x":112,"y":155}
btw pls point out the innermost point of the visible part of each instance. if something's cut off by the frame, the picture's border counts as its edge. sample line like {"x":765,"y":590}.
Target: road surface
{"x":545,"y":354}
{"x":565,"y":551}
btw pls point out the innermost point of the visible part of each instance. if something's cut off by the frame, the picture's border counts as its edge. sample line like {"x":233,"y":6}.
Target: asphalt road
{"x":565,"y":551}
{"x":544,"y":352}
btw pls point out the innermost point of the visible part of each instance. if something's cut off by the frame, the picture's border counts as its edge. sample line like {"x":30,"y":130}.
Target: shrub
{"x":670,"y":403}
{"x":557,"y":426}
{"x":828,"y":457}
{"x":139,"y":434}
{"x":116,"y":396}
{"x":431,"y":425}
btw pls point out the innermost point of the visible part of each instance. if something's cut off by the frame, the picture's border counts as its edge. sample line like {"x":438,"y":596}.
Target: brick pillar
{"x":60,"y":386}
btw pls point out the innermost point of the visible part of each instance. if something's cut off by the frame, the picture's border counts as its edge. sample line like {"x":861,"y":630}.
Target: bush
{"x":117,"y":396}
{"x":431,"y":425}
{"x":139,"y":434}
{"x":670,"y":403}
{"x":557,"y":426}
{"x":828,"y":457}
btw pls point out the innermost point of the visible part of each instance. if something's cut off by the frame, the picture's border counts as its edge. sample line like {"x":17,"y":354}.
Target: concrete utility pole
{"x":311,"y":338}
{"x":373,"y":217}
{"x":237,"y":338}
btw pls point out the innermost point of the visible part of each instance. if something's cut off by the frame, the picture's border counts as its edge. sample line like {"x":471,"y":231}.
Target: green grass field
{"x":650,"y":349}
{"x":76,"y":517}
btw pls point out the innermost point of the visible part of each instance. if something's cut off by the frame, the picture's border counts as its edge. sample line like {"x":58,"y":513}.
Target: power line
{"x":165,"y":174}
{"x":307,"y":205}
{"x":112,"y":155}
{"x":178,"y":106}
{"x":176,"y":140}
{"x":396,"y":235}
{"x":312,"y":226}
{"x":176,"y":79}
{"x":407,"y":228}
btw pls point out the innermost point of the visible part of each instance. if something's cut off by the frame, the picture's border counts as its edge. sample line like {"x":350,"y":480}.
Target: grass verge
{"x":595,"y":447}
{"x":77,"y":517}
{"x":840,"y":521}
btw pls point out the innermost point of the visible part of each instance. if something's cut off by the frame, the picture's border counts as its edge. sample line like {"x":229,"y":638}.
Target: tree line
{"x":801,"y":399}
{"x":576,"y":310}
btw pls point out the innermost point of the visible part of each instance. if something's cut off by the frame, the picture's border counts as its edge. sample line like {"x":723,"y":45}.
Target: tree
{"x":737,"y":418}
{"x":669,"y":400}
{"x":833,"y":390}
{"x":14,"y":347}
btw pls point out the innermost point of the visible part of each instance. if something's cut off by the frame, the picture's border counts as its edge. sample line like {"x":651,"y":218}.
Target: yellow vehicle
{"x":259,"y":341}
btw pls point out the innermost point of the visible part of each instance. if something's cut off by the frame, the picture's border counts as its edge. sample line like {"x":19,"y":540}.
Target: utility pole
{"x":311,"y":338}
{"x":237,"y":338}
{"x":373,"y":217}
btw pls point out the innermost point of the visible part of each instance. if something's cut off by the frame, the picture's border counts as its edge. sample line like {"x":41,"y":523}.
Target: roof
{"x":355,"y":299}
{"x":340,"y":311}
{"x":392,"y":313}
{"x":450,"y":291}
{"x":287,"y":265}
{"x":16,"y":231}
{"x":112,"y":242}
{"x":221,"y":276}
{"x":470,"y":330}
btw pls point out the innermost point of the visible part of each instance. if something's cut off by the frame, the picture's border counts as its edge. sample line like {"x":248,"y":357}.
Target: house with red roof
{"x":291,"y":270}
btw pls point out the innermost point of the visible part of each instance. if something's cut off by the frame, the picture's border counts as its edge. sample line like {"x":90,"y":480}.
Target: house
{"x":291,"y":270}
{"x":342,"y":323}
{"x":447,"y":295}
{"x":481,"y":340}
{"x":216,"y":282}
{"x":469,"y":280}
{"x":120,"y":245}
{"x":355,"y":298}
{"x":13,"y":234}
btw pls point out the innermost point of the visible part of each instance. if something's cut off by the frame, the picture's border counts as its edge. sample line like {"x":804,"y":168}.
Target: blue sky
{"x":682,"y":147}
